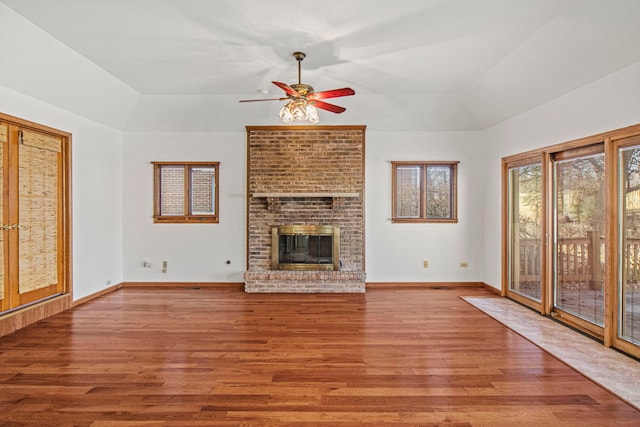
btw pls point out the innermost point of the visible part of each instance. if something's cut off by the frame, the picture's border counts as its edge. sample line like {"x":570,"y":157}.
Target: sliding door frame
{"x":612,"y":141}
{"x":614,"y":300}
{"x":525,"y":159}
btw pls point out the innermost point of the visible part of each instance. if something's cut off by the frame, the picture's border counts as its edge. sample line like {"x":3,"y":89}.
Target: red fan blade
{"x":266,"y":99}
{"x":335,"y":93}
{"x":285,"y":87}
{"x":326,"y":106}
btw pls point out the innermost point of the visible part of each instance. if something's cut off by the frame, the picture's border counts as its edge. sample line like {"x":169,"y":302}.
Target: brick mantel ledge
{"x":302,"y":195}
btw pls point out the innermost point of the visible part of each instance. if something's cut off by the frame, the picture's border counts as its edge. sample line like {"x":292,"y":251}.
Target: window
{"x":424,"y":192}
{"x":185,"y":191}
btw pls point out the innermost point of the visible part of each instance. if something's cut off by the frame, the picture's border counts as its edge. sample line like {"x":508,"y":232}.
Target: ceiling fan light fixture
{"x":299,"y":109}
{"x":312,"y":114}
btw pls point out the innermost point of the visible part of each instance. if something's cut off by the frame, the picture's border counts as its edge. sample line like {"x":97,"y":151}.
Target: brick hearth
{"x":305,"y":175}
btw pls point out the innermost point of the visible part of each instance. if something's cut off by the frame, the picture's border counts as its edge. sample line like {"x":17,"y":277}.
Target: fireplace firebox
{"x":305,"y":247}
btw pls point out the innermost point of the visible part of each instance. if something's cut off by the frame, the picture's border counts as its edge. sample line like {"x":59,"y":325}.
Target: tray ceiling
{"x":415,"y":64}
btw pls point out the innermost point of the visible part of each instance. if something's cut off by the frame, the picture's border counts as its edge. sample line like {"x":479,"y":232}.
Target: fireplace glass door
{"x":305,"y":247}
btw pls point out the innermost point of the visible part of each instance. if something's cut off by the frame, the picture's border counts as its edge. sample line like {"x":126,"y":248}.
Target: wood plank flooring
{"x":220,"y":357}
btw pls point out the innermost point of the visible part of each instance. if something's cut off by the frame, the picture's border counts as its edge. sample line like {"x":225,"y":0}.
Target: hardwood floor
{"x":220,"y":357}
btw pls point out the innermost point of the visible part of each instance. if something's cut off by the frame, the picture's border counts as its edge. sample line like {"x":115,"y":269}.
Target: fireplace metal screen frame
{"x":311,"y":230}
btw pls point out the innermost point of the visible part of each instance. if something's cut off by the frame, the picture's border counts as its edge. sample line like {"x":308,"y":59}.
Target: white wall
{"x":607,"y":104}
{"x":113,"y":231}
{"x":96,"y":190}
{"x":198,"y":252}
{"x":194,"y":252}
{"x":395,"y":252}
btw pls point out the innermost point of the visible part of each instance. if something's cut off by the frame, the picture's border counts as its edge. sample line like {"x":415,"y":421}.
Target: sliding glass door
{"x":578,"y":236}
{"x":571,"y":227}
{"x":627,"y":303}
{"x":525,"y":232}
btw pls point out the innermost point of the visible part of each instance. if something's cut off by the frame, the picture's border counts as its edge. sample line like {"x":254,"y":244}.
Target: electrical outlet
{"x":464,"y":264}
{"x":425,"y":263}
{"x":164,"y":266}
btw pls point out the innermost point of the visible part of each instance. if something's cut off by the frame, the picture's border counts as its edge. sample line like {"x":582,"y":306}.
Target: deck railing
{"x":578,"y":259}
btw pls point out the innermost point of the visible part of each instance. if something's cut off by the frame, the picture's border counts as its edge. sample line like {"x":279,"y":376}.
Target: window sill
{"x":185,"y":220}
{"x":423,"y":221}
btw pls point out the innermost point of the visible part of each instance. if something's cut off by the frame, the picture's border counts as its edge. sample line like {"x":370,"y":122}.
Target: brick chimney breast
{"x":305,"y":175}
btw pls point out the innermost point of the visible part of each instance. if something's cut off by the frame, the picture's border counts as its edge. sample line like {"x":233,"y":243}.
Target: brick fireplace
{"x":311,"y":176}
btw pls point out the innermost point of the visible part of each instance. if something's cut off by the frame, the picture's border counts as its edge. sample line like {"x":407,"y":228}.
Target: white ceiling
{"x":414,"y":64}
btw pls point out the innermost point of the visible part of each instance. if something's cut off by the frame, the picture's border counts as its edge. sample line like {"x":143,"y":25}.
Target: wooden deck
{"x":220,"y":357}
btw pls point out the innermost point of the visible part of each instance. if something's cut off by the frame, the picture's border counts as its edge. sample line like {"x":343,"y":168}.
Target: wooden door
{"x":4,"y":288}
{"x":34,"y":231}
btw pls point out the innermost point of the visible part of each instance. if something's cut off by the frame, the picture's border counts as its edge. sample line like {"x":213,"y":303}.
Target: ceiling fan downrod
{"x":299,"y":57}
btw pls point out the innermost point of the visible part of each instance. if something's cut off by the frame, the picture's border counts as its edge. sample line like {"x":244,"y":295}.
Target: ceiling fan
{"x":303,"y":101}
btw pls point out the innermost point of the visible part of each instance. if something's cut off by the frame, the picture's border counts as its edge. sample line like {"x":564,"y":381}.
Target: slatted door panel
{"x":39,"y":170}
